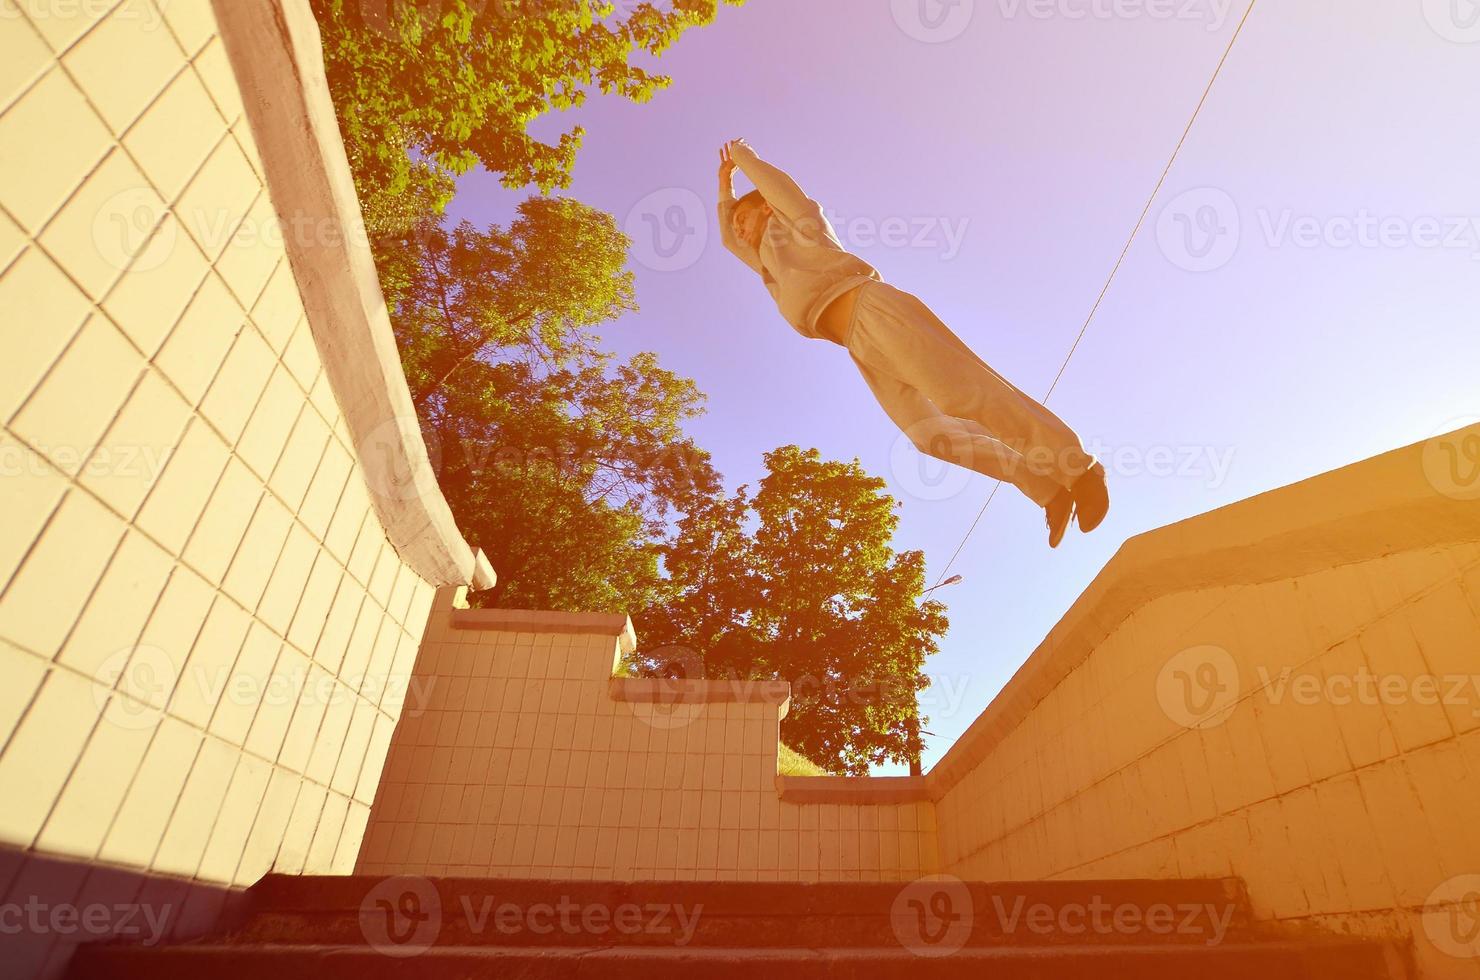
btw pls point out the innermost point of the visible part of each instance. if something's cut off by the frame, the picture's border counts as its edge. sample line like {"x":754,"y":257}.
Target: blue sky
{"x":1303,"y":295}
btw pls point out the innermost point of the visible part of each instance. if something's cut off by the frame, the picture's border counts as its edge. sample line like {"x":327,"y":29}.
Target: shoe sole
{"x":1056,"y":534}
{"x":1100,"y":504}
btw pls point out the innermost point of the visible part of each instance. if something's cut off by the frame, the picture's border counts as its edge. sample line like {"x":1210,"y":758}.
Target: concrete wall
{"x":1203,"y":710}
{"x":530,"y":759}
{"x":205,"y":633}
{"x":1299,"y":708}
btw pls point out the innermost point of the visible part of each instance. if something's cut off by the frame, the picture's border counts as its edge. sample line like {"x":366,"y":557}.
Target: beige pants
{"x":953,"y":406}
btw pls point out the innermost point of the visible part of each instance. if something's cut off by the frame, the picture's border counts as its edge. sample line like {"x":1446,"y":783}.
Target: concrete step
{"x":1316,"y":960}
{"x":367,"y":927}
{"x":510,"y":913}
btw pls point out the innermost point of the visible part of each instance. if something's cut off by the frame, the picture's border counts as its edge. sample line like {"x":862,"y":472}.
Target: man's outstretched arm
{"x":775,"y":184}
{"x":732,"y":242}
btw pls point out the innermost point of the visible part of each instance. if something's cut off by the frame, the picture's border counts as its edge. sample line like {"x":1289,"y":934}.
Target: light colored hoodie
{"x":800,"y":259}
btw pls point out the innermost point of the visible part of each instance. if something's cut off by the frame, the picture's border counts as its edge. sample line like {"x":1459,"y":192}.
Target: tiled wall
{"x":204,"y":634}
{"x":1227,"y":732}
{"x":522,"y":764}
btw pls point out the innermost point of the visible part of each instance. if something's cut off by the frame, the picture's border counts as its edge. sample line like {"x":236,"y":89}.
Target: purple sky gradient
{"x":1035,"y":134}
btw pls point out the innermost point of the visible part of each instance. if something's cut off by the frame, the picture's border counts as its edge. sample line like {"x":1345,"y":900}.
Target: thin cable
{"x":1118,"y":262}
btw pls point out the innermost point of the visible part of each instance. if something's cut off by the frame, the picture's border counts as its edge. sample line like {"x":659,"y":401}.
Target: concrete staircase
{"x":368,"y":927}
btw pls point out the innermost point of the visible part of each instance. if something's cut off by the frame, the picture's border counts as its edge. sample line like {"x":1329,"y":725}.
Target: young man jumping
{"x":947,"y":400}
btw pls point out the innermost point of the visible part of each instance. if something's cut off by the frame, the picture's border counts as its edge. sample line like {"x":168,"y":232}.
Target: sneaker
{"x":1091,"y":498}
{"x":1058,"y":512}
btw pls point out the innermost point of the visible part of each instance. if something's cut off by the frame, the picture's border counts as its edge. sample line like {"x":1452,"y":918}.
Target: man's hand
{"x":726,"y":174}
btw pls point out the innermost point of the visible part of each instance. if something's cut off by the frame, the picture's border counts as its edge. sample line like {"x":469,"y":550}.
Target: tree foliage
{"x":800,"y":582}
{"x":565,"y":465}
{"x":428,"y":89}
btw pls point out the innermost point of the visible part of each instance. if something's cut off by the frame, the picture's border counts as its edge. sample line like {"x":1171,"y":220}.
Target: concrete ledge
{"x":853,"y":790}
{"x":1379,"y":506}
{"x":540,"y":621}
{"x":662,"y":690}
{"x":275,"y":52}
{"x":484,"y":576}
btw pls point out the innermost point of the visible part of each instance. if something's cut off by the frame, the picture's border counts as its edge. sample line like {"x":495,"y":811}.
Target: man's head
{"x":750,"y":217}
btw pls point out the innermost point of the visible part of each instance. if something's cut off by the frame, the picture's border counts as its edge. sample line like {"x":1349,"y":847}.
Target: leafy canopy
{"x":427,"y":89}
{"x":799,"y":582}
{"x":562,"y":463}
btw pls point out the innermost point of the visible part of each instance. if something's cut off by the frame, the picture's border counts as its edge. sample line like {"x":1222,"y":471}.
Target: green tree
{"x":427,"y":89}
{"x":563,"y":464}
{"x":568,"y":477}
{"x":800,"y":582}
{"x":557,"y":270}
